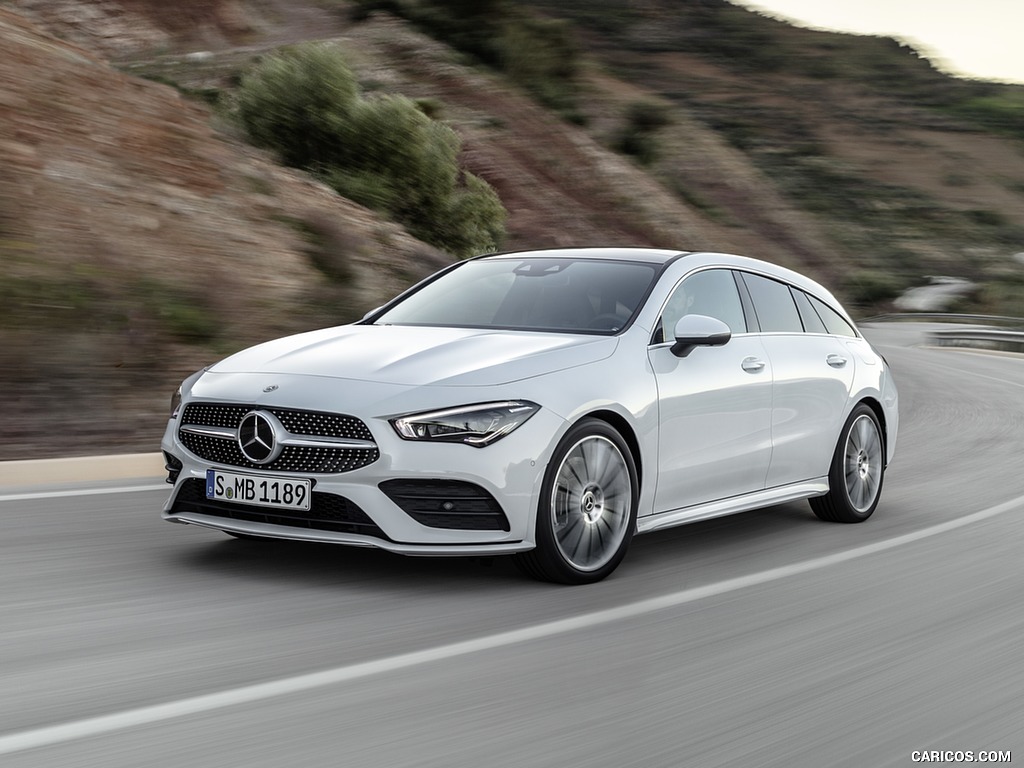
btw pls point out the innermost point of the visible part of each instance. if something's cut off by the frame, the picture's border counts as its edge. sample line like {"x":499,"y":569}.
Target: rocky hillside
{"x":138,"y":241}
{"x":141,"y":237}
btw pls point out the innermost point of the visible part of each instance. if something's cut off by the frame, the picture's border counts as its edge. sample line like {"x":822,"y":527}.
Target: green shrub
{"x":867,"y":288}
{"x":537,"y":53}
{"x":299,"y":103}
{"x":382,"y":151}
{"x":475,"y":219}
{"x":406,"y":164}
{"x":1001,"y":111}
{"x":541,"y":56}
{"x":418,"y":156}
{"x":643,"y":120}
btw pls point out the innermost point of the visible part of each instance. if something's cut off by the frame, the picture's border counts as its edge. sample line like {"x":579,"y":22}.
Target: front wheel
{"x":858,"y":468}
{"x":588,"y":507}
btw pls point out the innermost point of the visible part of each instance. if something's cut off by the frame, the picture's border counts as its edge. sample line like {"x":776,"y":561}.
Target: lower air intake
{"x":452,"y":504}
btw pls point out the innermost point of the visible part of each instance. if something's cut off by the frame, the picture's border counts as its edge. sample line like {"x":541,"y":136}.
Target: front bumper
{"x":509,"y":472}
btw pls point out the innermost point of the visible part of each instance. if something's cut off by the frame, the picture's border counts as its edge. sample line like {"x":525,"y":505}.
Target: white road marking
{"x":95,"y":726}
{"x":82,"y":492}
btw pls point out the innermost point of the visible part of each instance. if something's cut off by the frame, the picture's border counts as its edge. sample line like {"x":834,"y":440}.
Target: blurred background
{"x":180,"y":180}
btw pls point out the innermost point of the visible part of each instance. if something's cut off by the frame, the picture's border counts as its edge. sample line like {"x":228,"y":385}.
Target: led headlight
{"x":476,"y":425}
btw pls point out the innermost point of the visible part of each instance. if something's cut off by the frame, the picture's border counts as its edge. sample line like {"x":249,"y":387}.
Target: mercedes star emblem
{"x":258,"y":437}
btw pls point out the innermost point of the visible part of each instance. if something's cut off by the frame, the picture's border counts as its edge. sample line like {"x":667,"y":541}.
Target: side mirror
{"x":694,"y":331}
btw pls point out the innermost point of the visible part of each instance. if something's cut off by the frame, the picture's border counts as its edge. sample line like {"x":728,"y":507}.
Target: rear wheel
{"x":858,"y":468}
{"x":588,"y":507}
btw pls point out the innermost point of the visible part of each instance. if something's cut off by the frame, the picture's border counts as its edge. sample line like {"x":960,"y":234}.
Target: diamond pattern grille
{"x":308,"y":459}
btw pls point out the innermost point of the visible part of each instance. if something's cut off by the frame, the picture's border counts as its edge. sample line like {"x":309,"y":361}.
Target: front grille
{"x":297,"y":422}
{"x":451,"y":504}
{"x":307,"y":459}
{"x":327,"y":512}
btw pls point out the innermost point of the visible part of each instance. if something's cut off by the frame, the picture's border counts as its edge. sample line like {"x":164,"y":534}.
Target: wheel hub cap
{"x":863,"y":466}
{"x":592,"y":504}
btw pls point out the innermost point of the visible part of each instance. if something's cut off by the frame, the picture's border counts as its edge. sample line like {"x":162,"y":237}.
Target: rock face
{"x":137,"y":244}
{"x":123,"y":28}
{"x":141,"y":237}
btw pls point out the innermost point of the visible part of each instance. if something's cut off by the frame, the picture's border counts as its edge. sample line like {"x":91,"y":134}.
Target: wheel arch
{"x":624,"y":428}
{"x":876,"y":406}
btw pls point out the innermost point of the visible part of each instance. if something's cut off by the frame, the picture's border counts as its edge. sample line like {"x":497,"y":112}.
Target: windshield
{"x":536,"y":294}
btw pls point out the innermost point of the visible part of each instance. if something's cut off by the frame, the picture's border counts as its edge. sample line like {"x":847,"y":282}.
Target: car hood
{"x":417,"y":356}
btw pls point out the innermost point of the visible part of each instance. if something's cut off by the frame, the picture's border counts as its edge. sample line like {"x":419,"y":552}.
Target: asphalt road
{"x":765,"y":639}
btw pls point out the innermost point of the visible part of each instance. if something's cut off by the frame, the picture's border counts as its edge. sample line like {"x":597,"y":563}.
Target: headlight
{"x":476,"y":425}
{"x":175,"y":402}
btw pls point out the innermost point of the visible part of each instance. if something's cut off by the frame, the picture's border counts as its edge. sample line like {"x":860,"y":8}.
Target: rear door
{"x":812,"y":375}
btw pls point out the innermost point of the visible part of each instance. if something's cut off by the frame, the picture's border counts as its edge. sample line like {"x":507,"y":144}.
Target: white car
{"x":547,"y":405}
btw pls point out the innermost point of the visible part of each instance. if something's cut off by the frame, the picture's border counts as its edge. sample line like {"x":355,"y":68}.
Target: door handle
{"x":836,"y":361}
{"x":752,"y":365}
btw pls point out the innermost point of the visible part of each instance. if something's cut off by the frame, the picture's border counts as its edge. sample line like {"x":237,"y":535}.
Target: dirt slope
{"x":133,"y":220}
{"x":141,"y":238}
{"x":138,"y":243}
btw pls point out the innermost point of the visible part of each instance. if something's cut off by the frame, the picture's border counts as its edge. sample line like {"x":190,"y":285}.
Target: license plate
{"x":280,"y":492}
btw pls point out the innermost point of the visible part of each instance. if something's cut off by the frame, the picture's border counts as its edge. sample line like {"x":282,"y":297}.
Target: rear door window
{"x":773,"y":303}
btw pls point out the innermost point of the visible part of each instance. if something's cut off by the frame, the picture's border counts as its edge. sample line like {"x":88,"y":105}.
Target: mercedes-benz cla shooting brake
{"x":547,"y":405}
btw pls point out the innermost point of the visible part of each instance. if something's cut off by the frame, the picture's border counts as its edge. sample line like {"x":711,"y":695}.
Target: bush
{"x":541,"y":56}
{"x":1001,"y":111}
{"x":643,"y":120}
{"x":475,"y":218}
{"x":870,"y":288}
{"x":537,"y":53}
{"x":418,"y":156}
{"x":299,"y":103}
{"x":383,"y":152}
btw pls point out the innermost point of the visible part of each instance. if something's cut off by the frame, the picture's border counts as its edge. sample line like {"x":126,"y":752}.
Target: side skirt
{"x":733,"y":505}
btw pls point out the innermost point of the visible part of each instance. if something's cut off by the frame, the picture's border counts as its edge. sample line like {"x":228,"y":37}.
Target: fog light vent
{"x":173,"y":466}
{"x":452,"y":504}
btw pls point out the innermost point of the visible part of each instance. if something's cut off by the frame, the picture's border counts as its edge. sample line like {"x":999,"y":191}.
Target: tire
{"x":588,"y":506}
{"x":857,"y":471}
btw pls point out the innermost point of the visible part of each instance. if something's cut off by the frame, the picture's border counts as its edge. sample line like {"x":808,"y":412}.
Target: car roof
{"x":646,"y":255}
{"x":662,"y":256}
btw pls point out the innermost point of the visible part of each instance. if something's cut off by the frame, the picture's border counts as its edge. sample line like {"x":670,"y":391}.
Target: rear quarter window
{"x":812,"y":321}
{"x":834,"y":322}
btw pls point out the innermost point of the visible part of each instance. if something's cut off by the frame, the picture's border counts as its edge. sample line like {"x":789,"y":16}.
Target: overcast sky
{"x":972,"y":38}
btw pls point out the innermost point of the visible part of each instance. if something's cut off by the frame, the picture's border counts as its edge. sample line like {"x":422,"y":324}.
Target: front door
{"x":715,"y":403}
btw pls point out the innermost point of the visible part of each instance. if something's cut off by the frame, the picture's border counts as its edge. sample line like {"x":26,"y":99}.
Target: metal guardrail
{"x":999,"y":339}
{"x":946,"y":317}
